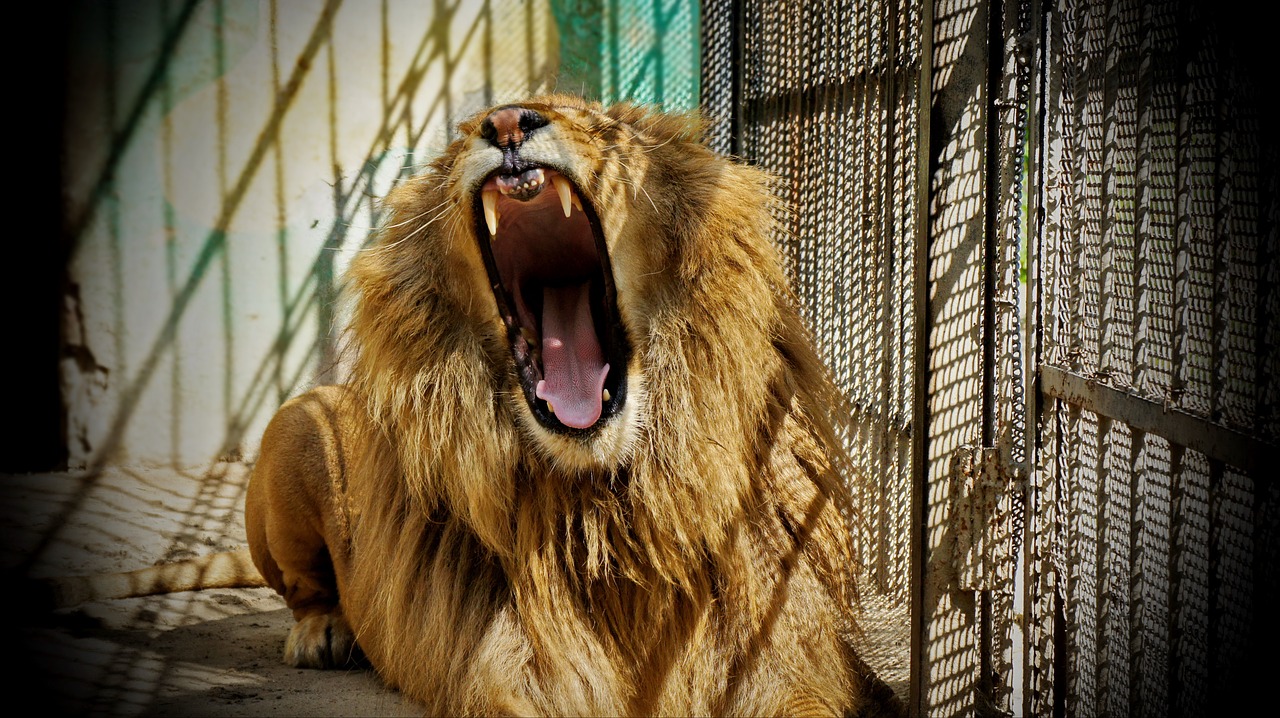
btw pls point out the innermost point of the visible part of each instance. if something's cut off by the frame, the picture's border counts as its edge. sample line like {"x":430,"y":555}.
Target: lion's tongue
{"x":572,"y":364}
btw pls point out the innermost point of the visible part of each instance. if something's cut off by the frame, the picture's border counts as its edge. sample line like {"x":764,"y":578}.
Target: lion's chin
{"x":604,"y":449}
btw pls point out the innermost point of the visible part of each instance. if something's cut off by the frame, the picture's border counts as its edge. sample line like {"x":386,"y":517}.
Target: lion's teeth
{"x":551,"y":408}
{"x":490,"y":200}
{"x":566,"y":193}
{"x":604,"y":395}
{"x":577,"y":202}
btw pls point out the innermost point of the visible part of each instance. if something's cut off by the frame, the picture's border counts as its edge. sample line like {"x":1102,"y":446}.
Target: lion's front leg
{"x":293,"y":518}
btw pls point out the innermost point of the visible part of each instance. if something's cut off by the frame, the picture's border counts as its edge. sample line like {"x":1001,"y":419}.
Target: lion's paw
{"x":320,"y":641}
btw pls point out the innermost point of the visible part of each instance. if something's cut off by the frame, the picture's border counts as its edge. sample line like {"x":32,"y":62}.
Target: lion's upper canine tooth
{"x":489,"y":198}
{"x":566,"y":194}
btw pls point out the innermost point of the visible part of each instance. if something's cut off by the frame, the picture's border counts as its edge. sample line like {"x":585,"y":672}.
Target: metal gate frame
{"x":972,"y":453}
{"x":993,"y":596}
{"x":1153,"y":541}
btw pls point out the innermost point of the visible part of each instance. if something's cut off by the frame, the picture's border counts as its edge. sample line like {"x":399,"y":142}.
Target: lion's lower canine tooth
{"x":566,"y":193}
{"x":605,"y":395}
{"x":489,"y":198}
{"x":551,"y":408}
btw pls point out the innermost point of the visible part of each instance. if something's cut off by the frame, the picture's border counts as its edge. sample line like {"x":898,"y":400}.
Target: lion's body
{"x":687,"y":554}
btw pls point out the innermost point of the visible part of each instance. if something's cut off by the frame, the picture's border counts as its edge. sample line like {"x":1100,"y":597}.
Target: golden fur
{"x":688,"y":554}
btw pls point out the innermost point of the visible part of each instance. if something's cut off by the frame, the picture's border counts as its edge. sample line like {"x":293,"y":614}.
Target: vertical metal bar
{"x":906,"y":194}
{"x":920,"y":331}
{"x":1074,"y":630}
{"x":1068,"y":345}
{"x":1089,"y":88}
{"x":1074,"y":91}
{"x":1158,"y":562}
{"x":991,"y":198}
{"x":1140,"y":378}
{"x":1183,"y":234}
{"x":1038,"y":526}
{"x":888,"y":332}
{"x":1266,"y":342}
{"x":1010,"y":118}
{"x":1212,"y":648}
{"x":1110,"y":196}
{"x":1123,"y":478}
{"x":1178,"y":609}
{"x":1222,"y":240}
{"x":1128,"y":16}
{"x":1180,"y":351}
{"x":1136,"y":547}
{"x":1087,"y":502}
{"x":1102,"y":596}
{"x":1157,"y":343}
{"x":1062,"y":667}
{"x":957,"y":237}
{"x":990,"y":323}
{"x":1219,"y":399}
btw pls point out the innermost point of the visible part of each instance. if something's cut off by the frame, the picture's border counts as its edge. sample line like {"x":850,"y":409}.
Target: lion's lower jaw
{"x":604,"y":450}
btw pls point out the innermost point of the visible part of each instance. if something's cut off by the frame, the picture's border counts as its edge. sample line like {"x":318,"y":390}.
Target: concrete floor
{"x":211,"y":653}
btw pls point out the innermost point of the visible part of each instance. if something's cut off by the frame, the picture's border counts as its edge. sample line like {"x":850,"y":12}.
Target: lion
{"x":587,"y":460}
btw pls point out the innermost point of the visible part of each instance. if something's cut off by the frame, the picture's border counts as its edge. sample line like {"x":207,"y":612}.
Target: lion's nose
{"x":508,"y":127}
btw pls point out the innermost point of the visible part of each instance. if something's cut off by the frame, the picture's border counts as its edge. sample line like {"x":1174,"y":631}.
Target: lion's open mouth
{"x":550,"y":272}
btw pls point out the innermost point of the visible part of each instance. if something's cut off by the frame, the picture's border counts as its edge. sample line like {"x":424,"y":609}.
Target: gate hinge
{"x":983,"y":484}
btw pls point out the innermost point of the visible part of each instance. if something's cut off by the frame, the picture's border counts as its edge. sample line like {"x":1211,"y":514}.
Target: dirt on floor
{"x":208,"y":653}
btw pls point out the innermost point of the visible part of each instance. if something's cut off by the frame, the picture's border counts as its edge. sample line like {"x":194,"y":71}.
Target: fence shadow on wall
{"x":224,"y":161}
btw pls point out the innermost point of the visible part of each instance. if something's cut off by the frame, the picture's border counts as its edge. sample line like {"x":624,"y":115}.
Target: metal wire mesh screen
{"x":1154,"y":524}
{"x":828,"y":104}
{"x":637,"y":51}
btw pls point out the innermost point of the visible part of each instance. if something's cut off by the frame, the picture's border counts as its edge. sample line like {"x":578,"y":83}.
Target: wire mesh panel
{"x":1152,"y":536}
{"x":828,"y":105}
{"x":824,"y":95}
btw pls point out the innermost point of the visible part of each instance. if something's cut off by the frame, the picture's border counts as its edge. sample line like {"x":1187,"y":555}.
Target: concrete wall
{"x":221,"y":165}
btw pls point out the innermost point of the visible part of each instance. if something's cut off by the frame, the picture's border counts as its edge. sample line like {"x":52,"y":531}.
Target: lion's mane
{"x":694,"y":560}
